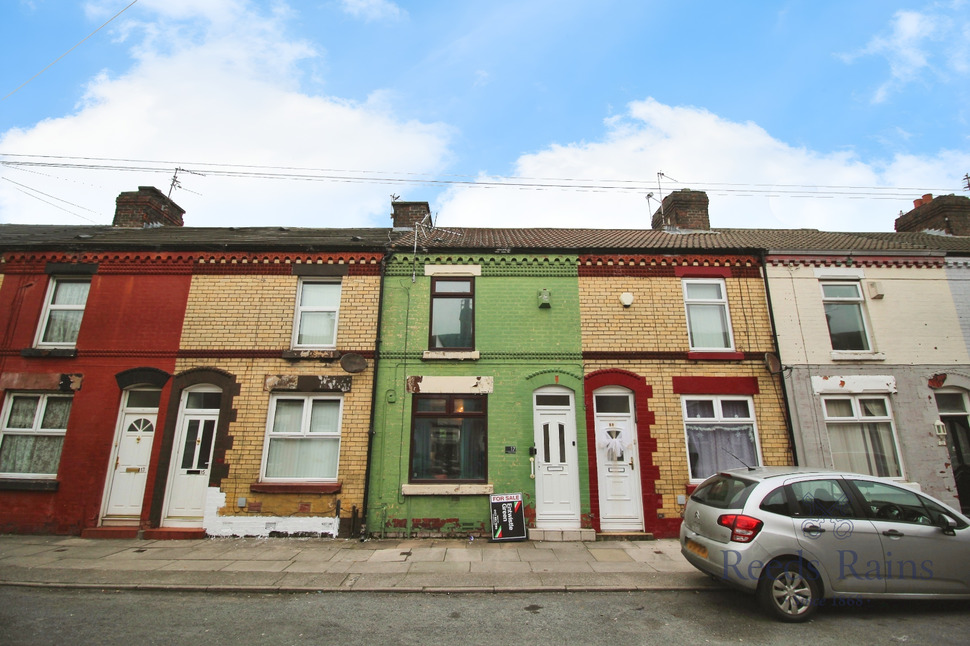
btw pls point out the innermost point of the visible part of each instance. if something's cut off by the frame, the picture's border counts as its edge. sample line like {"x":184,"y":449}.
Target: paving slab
{"x":324,"y":564}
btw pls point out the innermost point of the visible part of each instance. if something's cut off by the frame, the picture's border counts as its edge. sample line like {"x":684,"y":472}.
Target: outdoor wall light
{"x":545,"y":298}
{"x":627,"y":299}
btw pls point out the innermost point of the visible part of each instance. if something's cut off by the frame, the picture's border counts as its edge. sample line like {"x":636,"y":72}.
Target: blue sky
{"x":830,"y":115}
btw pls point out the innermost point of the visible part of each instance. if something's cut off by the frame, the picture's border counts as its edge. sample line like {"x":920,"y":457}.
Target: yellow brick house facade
{"x":675,"y":331}
{"x":276,"y":362}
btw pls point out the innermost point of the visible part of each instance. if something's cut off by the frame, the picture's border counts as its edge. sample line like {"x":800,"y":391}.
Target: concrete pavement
{"x":332,"y":565}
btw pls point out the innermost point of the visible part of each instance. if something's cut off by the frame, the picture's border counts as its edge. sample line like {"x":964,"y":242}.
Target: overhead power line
{"x":17,"y":89}
{"x":293,"y":173}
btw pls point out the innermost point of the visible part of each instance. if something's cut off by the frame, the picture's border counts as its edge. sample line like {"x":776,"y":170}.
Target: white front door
{"x":132,"y":453}
{"x":556,"y":459}
{"x":621,"y":504}
{"x":191,"y":459}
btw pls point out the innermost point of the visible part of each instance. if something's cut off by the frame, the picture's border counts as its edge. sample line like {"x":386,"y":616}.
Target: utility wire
{"x":17,"y":89}
{"x":292,"y":173}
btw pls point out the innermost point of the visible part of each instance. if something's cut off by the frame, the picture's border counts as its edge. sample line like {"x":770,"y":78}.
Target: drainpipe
{"x":373,"y":397}
{"x":774,"y":341}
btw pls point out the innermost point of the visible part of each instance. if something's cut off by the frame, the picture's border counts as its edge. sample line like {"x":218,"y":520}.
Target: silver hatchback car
{"x":800,"y":537}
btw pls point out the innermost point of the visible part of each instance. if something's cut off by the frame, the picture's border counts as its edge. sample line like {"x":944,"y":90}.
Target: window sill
{"x":849,"y":355}
{"x":318,"y":354}
{"x":461,"y":355}
{"x":727,"y":355}
{"x":295,"y":487}
{"x":54,"y":353}
{"x":28,"y":484}
{"x":447,"y":489}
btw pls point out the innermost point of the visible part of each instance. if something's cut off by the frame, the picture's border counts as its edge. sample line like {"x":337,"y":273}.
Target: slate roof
{"x":32,"y":236}
{"x":744,"y":240}
{"x":59,"y":237}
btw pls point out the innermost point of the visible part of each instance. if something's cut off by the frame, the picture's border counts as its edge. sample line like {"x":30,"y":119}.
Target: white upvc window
{"x":317,"y":310}
{"x":861,"y":434}
{"x":845,"y":315}
{"x":721,"y":433}
{"x":708,"y":318}
{"x":63,"y":310}
{"x":302,"y":438}
{"x":32,"y":434}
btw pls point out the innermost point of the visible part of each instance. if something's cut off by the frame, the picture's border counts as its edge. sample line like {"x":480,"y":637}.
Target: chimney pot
{"x":927,"y":198}
{"x":917,"y":203}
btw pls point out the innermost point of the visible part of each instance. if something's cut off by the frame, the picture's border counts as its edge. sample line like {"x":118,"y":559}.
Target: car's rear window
{"x":723,"y":492}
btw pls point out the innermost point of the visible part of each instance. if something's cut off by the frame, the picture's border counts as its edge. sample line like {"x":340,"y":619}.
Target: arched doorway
{"x":556,"y":459}
{"x":189,"y":470}
{"x":617,"y":459}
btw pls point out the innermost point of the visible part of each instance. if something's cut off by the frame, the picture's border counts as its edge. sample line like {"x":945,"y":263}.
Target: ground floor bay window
{"x":721,"y":434}
{"x":449,"y":438}
{"x":861,"y":435}
{"x":32,"y":434}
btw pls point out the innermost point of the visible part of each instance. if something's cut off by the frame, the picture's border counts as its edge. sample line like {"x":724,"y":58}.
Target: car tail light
{"x":743,"y":528}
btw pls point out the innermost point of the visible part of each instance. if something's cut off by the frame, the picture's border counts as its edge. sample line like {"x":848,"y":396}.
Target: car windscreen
{"x":723,"y":492}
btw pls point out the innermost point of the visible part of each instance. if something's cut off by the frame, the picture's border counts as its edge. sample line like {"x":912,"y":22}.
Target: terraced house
{"x":872,"y":330}
{"x":170,"y":381}
{"x":608,"y":371}
{"x":180,"y":381}
{"x":479,"y":383}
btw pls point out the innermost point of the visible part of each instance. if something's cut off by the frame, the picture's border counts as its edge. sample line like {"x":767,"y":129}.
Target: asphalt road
{"x":38,"y":616}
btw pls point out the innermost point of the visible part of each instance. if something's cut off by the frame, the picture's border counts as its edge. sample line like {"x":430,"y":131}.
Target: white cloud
{"x":372,"y":10}
{"x":747,"y":173}
{"x":920,"y":46}
{"x":219,"y":88}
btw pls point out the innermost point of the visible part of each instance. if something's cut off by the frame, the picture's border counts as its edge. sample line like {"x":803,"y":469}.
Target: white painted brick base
{"x":216,"y":525}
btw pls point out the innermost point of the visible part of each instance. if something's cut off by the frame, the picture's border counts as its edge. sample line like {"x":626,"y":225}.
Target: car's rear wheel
{"x":789,"y":590}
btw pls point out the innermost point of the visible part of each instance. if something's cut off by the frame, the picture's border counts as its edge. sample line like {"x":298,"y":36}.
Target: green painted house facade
{"x":479,"y":391}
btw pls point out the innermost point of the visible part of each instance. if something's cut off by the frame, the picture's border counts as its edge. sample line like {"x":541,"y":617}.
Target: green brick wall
{"x":522,"y":347}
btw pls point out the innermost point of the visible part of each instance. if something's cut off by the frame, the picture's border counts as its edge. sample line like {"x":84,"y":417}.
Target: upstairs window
{"x":708,"y":320}
{"x":844,"y":314}
{"x":303,"y":438}
{"x":452,"y":314}
{"x":317,"y":307}
{"x":32,"y":434}
{"x":63,"y":311}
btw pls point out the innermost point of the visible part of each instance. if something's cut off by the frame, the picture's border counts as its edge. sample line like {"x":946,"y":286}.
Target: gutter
{"x":373,"y":398}
{"x":774,"y":341}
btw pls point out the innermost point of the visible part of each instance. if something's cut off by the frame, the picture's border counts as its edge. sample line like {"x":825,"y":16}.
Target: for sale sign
{"x":508,"y":517}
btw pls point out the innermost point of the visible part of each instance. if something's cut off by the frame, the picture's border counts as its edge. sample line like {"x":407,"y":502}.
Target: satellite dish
{"x":353,"y":363}
{"x":772,"y":363}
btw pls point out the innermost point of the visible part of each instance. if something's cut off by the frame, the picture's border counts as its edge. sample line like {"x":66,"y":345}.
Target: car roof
{"x":766,"y":473}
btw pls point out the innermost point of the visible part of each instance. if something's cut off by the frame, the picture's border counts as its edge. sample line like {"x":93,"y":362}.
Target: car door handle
{"x":893,"y":533}
{"x":812,"y":529}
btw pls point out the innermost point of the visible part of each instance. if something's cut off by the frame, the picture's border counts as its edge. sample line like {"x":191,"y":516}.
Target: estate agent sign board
{"x":508,"y":517}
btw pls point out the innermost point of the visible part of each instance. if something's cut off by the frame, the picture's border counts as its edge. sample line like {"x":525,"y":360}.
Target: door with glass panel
{"x":621,"y":505}
{"x":191,"y":458}
{"x":556,"y":459}
{"x":132,"y":451}
{"x":954,"y":415}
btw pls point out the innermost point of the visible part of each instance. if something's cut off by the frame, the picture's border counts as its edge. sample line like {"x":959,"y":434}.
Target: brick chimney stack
{"x":146,"y":207}
{"x":684,"y":209}
{"x":949,"y":214}
{"x":407,"y":214}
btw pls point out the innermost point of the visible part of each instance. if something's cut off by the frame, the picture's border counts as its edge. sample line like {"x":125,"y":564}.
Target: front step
{"x":561,"y":535}
{"x":625,"y":536}
{"x":118,"y":531}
